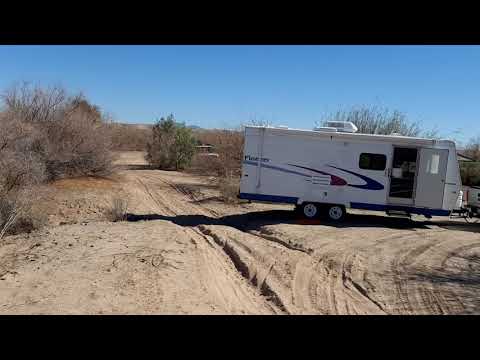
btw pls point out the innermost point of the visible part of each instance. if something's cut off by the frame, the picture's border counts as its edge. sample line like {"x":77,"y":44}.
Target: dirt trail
{"x":369,"y":265}
{"x":183,"y":251}
{"x":130,"y":267}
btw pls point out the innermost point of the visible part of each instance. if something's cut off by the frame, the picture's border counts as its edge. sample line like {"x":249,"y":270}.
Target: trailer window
{"x":372,"y":161}
{"x":432,"y":164}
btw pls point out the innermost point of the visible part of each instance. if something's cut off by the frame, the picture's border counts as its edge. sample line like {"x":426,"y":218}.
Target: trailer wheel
{"x":336,"y":212}
{"x":310,"y":210}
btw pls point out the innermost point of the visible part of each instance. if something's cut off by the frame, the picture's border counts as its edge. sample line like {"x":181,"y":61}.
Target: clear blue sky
{"x":217,"y":86}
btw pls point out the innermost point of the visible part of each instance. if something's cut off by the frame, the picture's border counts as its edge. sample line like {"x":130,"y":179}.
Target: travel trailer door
{"x":403,"y":172}
{"x":431,"y":178}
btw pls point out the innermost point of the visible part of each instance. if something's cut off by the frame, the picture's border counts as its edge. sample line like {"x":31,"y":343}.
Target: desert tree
{"x":172,"y":145}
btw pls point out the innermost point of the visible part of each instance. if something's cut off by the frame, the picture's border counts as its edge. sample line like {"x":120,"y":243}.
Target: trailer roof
{"x":356,"y":136}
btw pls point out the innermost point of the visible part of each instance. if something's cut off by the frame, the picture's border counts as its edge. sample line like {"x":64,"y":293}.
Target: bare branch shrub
{"x":126,"y":137}
{"x":44,"y":135}
{"x":78,"y":146}
{"x":374,"y":120}
{"x":470,"y":171}
{"x":21,"y":170}
{"x":228,"y":144}
{"x":73,"y":138}
{"x":33,"y":103}
{"x":472,"y":149}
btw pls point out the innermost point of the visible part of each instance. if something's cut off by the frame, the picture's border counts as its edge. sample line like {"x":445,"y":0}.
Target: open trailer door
{"x":431,"y":176}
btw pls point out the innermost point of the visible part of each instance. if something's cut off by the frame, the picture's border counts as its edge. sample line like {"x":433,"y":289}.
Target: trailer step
{"x":398,"y":213}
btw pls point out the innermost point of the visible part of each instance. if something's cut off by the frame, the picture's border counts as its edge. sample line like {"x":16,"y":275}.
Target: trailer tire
{"x":336,"y":213}
{"x":310,"y":210}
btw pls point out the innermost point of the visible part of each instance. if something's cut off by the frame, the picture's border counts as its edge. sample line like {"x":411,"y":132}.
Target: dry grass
{"x":118,"y":210}
{"x":229,"y":188}
{"x":22,"y":210}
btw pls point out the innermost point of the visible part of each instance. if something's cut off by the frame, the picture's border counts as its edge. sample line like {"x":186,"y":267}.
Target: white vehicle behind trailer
{"x":330,"y":170}
{"x":473,"y":200}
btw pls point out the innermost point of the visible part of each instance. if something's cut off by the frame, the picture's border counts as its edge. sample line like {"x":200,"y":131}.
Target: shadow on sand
{"x":256,"y":219}
{"x":135,"y":167}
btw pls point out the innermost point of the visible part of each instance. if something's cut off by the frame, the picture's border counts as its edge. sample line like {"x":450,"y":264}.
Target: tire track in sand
{"x":302,"y":280}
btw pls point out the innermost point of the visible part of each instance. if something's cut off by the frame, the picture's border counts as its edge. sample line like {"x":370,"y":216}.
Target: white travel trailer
{"x":333,"y":168}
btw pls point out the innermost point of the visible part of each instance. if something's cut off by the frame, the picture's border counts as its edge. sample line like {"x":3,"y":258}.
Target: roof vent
{"x":343,"y":126}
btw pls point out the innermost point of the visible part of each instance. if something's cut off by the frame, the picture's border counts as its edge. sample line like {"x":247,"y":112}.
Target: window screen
{"x":372,"y":161}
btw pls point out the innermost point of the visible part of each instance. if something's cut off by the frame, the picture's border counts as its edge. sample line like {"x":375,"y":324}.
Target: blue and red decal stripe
{"x":370,"y":184}
{"x":255,"y":163}
{"x":335,"y":180}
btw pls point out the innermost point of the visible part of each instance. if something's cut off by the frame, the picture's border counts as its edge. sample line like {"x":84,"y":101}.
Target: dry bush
{"x":229,"y":188}
{"x":20,"y":211}
{"x":472,"y":149}
{"x":78,"y":147}
{"x":34,"y":104}
{"x":117,"y":210}
{"x":22,"y":170}
{"x":228,"y":144}
{"x":20,"y":155}
{"x":45,"y":135}
{"x":470,"y":173}
{"x":205,"y":165}
{"x":72,"y":136}
{"x":126,"y":137}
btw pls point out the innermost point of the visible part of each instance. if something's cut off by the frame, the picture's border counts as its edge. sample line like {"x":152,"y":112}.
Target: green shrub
{"x":172,"y":145}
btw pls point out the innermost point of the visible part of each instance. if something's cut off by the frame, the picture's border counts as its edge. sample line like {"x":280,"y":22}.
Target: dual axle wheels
{"x":313,"y":210}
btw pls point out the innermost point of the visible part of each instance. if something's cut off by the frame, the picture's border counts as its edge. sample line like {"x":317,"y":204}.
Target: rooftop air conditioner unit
{"x":325,"y":129}
{"x":343,"y":126}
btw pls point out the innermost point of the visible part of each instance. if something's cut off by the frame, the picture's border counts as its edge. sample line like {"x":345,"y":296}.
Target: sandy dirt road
{"x":184,"y":251}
